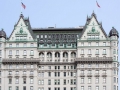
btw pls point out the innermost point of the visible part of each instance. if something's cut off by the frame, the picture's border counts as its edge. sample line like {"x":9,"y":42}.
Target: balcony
{"x":10,"y":75}
{"x":82,"y":75}
{"x":31,"y":74}
{"x":89,"y":75}
{"x":20,"y":60}
{"x":104,"y":75}
{"x":24,"y":75}
{"x":97,"y":75}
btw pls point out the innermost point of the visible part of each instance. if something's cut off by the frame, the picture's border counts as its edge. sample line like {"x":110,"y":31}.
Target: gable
{"x":21,"y":31}
{"x":93,"y":30}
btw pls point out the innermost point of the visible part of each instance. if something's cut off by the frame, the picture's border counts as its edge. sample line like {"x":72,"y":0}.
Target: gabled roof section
{"x":27,"y":23}
{"x":88,"y":20}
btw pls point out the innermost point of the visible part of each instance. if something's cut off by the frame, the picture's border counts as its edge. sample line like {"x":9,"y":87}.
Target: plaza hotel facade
{"x":80,"y":58}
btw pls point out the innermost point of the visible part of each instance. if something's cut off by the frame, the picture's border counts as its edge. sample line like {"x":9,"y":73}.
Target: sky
{"x":62,"y":13}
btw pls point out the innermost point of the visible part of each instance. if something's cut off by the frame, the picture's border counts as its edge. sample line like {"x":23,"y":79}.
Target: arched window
{"x":57,"y":54}
{"x":41,"y":54}
{"x":49,"y":54}
{"x":73,"y":54}
{"x":65,"y":54}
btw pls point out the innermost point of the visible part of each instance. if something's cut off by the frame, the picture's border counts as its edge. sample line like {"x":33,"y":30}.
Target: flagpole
{"x":21,"y":7}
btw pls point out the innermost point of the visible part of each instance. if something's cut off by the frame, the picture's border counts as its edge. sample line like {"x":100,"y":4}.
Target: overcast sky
{"x":63,"y":13}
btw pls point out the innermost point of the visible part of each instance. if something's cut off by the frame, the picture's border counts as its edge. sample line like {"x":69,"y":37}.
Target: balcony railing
{"x":104,"y":74}
{"x":97,"y":75}
{"x":82,"y":75}
{"x":13,"y":60}
{"x":89,"y":74}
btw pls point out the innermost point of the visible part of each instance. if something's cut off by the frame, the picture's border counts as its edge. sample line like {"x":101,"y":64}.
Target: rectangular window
{"x":41,"y":36}
{"x":0,"y":44}
{"x":89,"y":80}
{"x":45,"y":36}
{"x":49,"y":82}
{"x":64,"y":81}
{"x":97,"y":88}
{"x":24,"y":87}
{"x":10,"y":52}
{"x":82,"y":51}
{"x":64,"y":67}
{"x":104,"y":80}
{"x":97,"y":80}
{"x":82,"y":87}
{"x":49,"y":67}
{"x":89,"y":87}
{"x":89,"y":51}
{"x":64,"y":74}
{"x":104,"y":51}
{"x":97,"y":51}
{"x":49,"y":74}
{"x":31,"y":66}
{"x":24,"y":45}
{"x":0,"y":52}
{"x":10,"y":80}
{"x":31,"y":87}
{"x":31,"y":45}
{"x":104,"y":43}
{"x":97,"y":44}
{"x":114,"y":79}
{"x":82,"y":80}
{"x":104,"y":87}
{"x":17,"y":81}
{"x":17,"y":52}
{"x":17,"y":44}
{"x":10,"y":87}
{"x":17,"y":88}
{"x":24,"y":52}
{"x":89,"y":44}
{"x":10,"y":45}
{"x":31,"y":80}
{"x":31,"y":52}
{"x":82,"y":44}
{"x":24,"y":80}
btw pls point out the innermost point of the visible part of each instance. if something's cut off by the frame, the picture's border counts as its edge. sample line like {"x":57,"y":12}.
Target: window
{"x":10,"y":87}
{"x":17,"y":81}
{"x":10,"y":52}
{"x":82,"y":80}
{"x":104,"y":87}
{"x":89,"y":87}
{"x":17,"y":52}
{"x":0,"y":80}
{"x":114,"y":44}
{"x":97,"y":65}
{"x":97,"y":80}
{"x":49,"y":82}
{"x":10,"y":45}
{"x":17,"y":88}
{"x":104,"y":43}
{"x":89,"y":80}
{"x":82,"y":44}
{"x":31,"y":87}
{"x":17,"y":72}
{"x":0,"y":52}
{"x":49,"y":74}
{"x":31,"y":72}
{"x":82,"y":51}
{"x":10,"y":72}
{"x":31,"y":66}
{"x":31,"y":80}
{"x":49,"y":67}
{"x":97,"y":44}
{"x":97,"y":88}
{"x":31,"y":52}
{"x":24,"y":66}
{"x":104,"y":80}
{"x":89,"y":44}
{"x":17,"y":44}
{"x":64,"y":74}
{"x":89,"y":51}
{"x":41,"y":36}
{"x":24,"y":80}
{"x":97,"y":51}
{"x":24,"y":45}
{"x":10,"y":80}
{"x":82,"y":87}
{"x":31,"y":45}
{"x":64,"y":88}
{"x":24,"y":87}
{"x":0,"y":44}
{"x":114,"y":79}
{"x":45,"y":36}
{"x":24,"y":52}
{"x":64,"y":81}
{"x":37,"y":36}
{"x":104,"y":51}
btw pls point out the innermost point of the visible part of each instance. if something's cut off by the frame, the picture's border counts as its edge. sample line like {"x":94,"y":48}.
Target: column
{"x":53,"y":56}
{"x":69,"y":56}
{"x":61,"y":56}
{"x":45,"y":56}
{"x":77,"y":78}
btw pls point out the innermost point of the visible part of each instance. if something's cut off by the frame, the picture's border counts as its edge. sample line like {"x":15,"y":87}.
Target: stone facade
{"x":82,"y":58}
